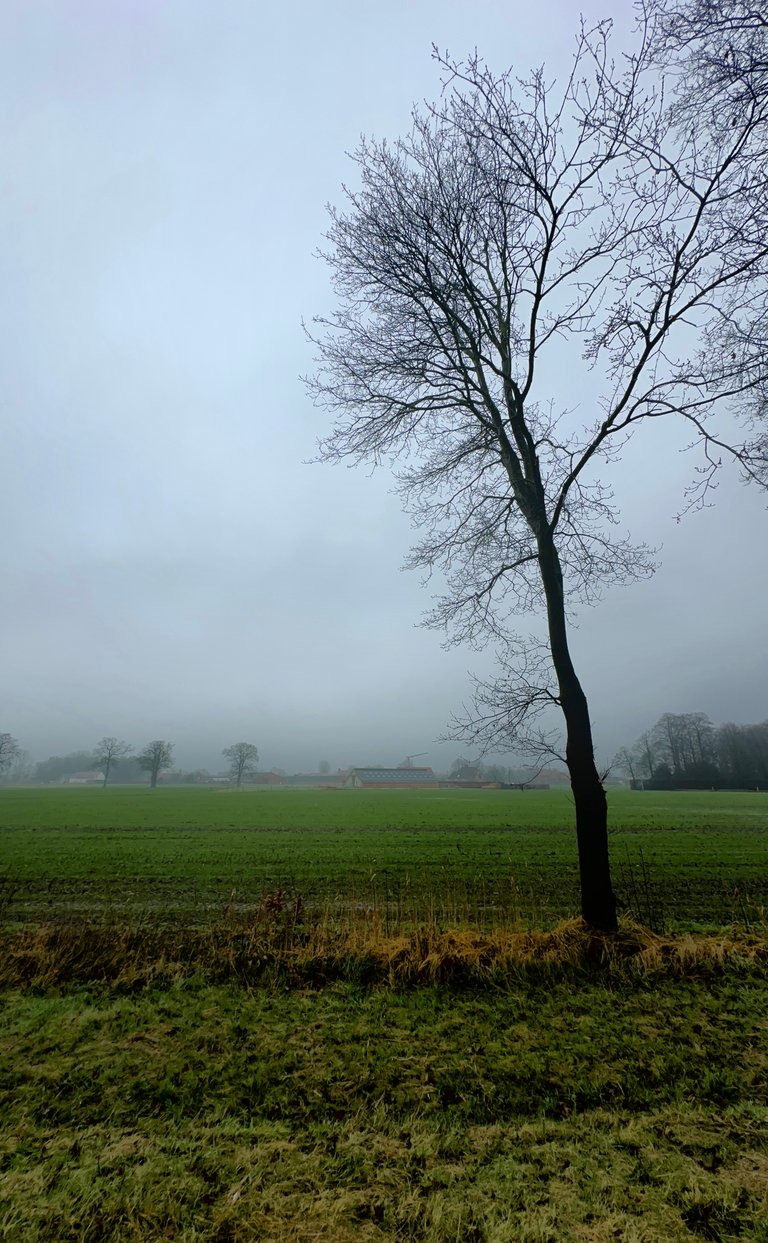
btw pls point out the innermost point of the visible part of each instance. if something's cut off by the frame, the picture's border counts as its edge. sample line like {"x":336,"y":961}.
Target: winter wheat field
{"x":343,"y":1015}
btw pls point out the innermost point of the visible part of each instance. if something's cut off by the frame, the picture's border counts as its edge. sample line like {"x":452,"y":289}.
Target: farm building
{"x":84,"y":779}
{"x":390,"y":778}
{"x":263,"y":779}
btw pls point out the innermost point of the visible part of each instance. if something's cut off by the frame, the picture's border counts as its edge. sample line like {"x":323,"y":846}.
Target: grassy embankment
{"x":559,"y":1089}
{"x":612,"y":1111}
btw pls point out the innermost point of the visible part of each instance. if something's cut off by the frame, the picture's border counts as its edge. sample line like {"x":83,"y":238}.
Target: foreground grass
{"x":210,"y":1027}
{"x":483,"y":858}
{"x":625,"y":1109}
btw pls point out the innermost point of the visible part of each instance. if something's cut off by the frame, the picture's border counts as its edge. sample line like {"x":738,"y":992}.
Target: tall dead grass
{"x":278,"y":944}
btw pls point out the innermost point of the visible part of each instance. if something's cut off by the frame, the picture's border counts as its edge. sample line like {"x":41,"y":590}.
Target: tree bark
{"x":598,"y":901}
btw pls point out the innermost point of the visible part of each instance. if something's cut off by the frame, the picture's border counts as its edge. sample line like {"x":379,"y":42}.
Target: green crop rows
{"x":479,"y":857}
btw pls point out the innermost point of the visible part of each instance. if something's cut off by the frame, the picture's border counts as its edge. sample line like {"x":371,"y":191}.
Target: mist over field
{"x":174,"y":567}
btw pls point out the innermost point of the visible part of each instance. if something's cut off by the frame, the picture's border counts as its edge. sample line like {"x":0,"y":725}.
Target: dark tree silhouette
{"x":722,"y":47}
{"x":520,"y":240}
{"x":108,"y":753}
{"x":156,"y":757}
{"x":9,"y":751}
{"x":242,"y":756}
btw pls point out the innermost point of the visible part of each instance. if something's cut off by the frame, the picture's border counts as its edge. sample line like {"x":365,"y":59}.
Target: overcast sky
{"x":173,"y":566}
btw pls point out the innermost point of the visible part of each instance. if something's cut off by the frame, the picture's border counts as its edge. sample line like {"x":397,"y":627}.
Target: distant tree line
{"x":474,"y":770}
{"x":111,"y":753}
{"x":685,"y":751}
{"x":108,"y":755}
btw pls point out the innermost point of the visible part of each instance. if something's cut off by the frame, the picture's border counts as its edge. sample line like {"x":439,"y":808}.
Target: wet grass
{"x":619,"y":1110}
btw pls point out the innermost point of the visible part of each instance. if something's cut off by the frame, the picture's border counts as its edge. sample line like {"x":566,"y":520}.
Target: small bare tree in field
{"x":625,"y":761}
{"x":242,"y":757}
{"x":156,"y":757}
{"x":517,"y":236}
{"x":9,"y":752}
{"x":639,"y":760}
{"x":108,"y":753}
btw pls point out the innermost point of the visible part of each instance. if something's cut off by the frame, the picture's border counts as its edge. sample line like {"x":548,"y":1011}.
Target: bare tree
{"x":514,"y":234}
{"x":685,"y":742}
{"x":646,"y":757}
{"x":9,"y":752}
{"x":156,"y":757}
{"x":626,"y":762}
{"x":724,"y":46}
{"x":242,"y":756}
{"x":21,"y":769}
{"x":639,"y":760}
{"x":108,"y":753}
{"x":742,"y":752}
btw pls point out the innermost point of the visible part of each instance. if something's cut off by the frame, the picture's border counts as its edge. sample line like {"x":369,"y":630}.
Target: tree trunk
{"x":598,"y":901}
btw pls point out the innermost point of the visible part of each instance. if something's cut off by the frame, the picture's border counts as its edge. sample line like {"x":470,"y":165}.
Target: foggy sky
{"x":173,"y":565}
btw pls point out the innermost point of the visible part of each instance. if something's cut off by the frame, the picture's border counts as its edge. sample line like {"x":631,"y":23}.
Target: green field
{"x":180,"y":1061}
{"x":483,"y":858}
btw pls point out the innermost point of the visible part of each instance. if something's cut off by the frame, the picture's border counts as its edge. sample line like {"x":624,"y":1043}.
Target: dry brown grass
{"x":278,"y":945}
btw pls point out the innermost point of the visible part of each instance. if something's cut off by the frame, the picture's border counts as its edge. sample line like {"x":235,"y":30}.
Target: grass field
{"x":545,"y":1115}
{"x":483,"y":858}
{"x":188,"y":1054}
